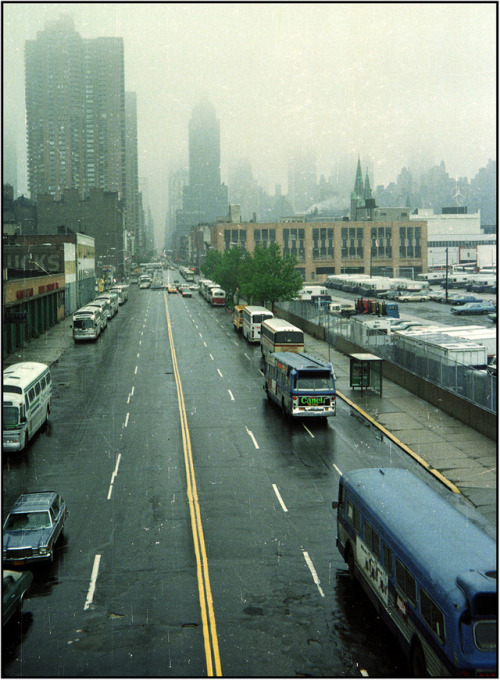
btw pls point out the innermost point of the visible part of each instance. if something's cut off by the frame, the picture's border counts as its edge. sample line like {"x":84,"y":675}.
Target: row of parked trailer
{"x":89,"y":321}
{"x":212,"y":293}
{"x":373,"y":285}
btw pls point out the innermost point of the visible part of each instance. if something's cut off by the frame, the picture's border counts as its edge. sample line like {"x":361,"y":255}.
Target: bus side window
{"x":372,"y":540}
{"x":31,"y":395}
{"x":432,"y":615}
{"x":354,"y":516}
{"x":388,"y":561}
{"x":42,"y":383}
{"x":37,"y":389}
{"x":406,"y":582}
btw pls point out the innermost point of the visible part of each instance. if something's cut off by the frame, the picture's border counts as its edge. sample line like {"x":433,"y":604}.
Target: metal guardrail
{"x":477,"y":386}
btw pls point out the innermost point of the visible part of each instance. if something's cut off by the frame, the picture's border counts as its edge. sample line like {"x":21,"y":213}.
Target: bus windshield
{"x":10,"y":416}
{"x":12,"y":388}
{"x":305,"y":381}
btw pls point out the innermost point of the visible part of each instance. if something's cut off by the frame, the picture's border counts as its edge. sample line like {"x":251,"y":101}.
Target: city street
{"x":116,"y":451}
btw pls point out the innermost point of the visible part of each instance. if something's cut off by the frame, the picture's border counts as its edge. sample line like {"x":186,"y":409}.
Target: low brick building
{"x":389,"y":248}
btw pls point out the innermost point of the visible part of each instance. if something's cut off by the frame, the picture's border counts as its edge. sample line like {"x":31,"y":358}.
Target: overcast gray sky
{"x":383,"y":80}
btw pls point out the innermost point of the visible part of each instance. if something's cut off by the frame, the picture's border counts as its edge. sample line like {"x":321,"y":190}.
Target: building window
{"x":410,"y":242}
{"x":352,"y":242}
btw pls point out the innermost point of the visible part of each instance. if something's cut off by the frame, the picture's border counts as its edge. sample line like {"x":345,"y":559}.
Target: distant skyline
{"x":391,"y":82}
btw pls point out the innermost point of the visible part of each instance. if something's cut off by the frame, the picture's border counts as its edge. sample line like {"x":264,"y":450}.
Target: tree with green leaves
{"x":212,"y":260}
{"x":267,"y":277}
{"x":227,"y":273}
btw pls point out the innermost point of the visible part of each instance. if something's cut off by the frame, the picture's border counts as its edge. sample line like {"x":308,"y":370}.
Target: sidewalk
{"x":463,"y":456}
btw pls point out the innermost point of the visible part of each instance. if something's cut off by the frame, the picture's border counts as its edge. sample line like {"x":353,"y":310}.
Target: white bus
{"x":217,"y":297}
{"x":278,"y":335}
{"x":103,"y":307}
{"x":253,"y":316}
{"x":122,"y":290}
{"x":27,"y":392}
{"x":87,"y":324}
{"x":113,"y":302}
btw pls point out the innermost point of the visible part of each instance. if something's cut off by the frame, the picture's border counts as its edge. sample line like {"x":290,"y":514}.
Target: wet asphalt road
{"x":126,"y":445}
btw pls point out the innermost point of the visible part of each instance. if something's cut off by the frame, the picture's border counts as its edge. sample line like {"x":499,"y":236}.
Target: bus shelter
{"x":366,"y":372}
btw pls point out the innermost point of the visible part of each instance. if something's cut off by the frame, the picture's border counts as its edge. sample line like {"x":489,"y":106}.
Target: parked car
{"x":14,"y":587}
{"x":474,"y":308}
{"x":438,"y":296}
{"x":391,"y":294}
{"x":413,"y":297}
{"x":492,"y":317}
{"x":462,"y":299}
{"x":33,"y":527}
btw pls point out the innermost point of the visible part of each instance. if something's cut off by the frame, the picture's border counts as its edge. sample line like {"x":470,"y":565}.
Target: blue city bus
{"x":302,"y":385}
{"x":428,"y":568}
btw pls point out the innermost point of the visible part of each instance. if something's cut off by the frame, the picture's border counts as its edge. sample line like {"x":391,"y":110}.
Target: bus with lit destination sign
{"x":300,"y":384}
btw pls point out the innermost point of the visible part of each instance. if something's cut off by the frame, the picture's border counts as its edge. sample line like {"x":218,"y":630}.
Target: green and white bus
{"x":26,"y":396}
{"x":301,"y":385}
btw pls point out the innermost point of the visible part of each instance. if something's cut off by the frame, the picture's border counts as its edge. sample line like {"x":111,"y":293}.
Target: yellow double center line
{"x":205,"y":593}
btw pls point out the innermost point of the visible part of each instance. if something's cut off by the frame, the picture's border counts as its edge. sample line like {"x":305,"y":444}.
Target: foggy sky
{"x":386,"y":81}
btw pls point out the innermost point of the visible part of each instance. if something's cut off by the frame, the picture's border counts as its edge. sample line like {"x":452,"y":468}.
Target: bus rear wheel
{"x":417,"y":661}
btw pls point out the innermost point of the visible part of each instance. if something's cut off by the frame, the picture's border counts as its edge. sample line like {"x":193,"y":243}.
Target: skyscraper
{"x":205,"y":198}
{"x":131,"y":170}
{"x":75,"y":109}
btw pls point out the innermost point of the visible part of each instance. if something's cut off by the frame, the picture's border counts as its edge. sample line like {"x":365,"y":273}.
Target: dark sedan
{"x":14,"y":587}
{"x":33,"y":527}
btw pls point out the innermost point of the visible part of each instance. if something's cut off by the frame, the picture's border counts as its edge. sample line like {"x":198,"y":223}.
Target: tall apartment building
{"x":75,"y":111}
{"x":177,"y":180}
{"x":205,"y":198}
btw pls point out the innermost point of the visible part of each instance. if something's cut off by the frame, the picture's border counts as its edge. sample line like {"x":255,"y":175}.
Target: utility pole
{"x":446,"y":279}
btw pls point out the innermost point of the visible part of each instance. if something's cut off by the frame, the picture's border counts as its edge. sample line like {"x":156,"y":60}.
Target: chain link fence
{"x":477,"y":386}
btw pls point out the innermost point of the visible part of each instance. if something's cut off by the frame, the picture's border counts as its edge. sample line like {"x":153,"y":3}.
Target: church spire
{"x":358,"y":184}
{"x":368,"y":190}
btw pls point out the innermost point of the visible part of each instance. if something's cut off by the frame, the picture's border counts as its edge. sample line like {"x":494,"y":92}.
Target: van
{"x":344,"y":308}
